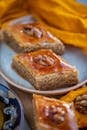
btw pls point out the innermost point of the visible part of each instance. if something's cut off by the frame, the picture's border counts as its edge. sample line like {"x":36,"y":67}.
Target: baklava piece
{"x":53,"y":114}
{"x":45,"y":70}
{"x":31,"y":37}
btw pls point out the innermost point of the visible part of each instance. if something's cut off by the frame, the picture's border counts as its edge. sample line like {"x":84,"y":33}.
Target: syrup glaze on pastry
{"x":44,"y":61}
{"x":53,"y":114}
{"x":33,"y":33}
{"x":30,"y":37}
{"x":45,"y":70}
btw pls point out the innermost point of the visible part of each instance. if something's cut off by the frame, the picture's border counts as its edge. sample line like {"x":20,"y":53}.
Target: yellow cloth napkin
{"x":66,"y":19}
{"x":70,"y":97}
{"x":11,"y":9}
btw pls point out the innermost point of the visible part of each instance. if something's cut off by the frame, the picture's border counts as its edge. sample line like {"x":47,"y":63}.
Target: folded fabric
{"x":71,"y":97}
{"x":11,"y":9}
{"x":66,"y":19}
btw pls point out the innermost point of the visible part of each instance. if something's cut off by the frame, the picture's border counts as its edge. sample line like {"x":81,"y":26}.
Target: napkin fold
{"x":12,"y":9}
{"x":70,"y":97}
{"x":66,"y":19}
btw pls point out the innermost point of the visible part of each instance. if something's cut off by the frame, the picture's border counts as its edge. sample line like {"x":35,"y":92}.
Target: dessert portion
{"x":53,"y":114}
{"x":31,"y":37}
{"x":79,"y":99}
{"x":45,"y":70}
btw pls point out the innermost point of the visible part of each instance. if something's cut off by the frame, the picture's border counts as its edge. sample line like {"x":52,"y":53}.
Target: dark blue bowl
{"x":12,"y":111}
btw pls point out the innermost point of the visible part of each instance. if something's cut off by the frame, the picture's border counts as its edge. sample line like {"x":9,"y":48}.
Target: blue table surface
{"x":82,"y":1}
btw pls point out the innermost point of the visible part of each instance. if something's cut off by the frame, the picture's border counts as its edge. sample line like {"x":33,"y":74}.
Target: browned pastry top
{"x":32,"y":33}
{"x":54,"y":114}
{"x":44,"y":61}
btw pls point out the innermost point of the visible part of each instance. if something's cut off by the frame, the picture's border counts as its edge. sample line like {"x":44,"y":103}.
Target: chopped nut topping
{"x":55,"y":114}
{"x":33,"y":31}
{"x":44,"y":60}
{"x":81,"y":103}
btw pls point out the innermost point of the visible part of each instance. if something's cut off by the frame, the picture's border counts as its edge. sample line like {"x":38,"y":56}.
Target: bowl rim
{"x":19,"y":127}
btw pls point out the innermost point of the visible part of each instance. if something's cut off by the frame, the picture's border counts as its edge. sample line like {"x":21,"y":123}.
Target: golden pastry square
{"x":45,"y":70}
{"x":31,"y":37}
{"x":53,"y":114}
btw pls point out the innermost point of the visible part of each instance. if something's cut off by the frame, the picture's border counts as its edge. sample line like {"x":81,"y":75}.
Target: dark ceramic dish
{"x":11,"y":109}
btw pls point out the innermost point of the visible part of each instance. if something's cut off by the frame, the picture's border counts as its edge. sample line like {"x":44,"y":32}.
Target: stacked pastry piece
{"x":53,"y":114}
{"x":67,"y":113}
{"x":39,"y":61}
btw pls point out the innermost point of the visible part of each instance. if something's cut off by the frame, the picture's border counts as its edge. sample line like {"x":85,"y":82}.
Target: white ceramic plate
{"x":73,"y":55}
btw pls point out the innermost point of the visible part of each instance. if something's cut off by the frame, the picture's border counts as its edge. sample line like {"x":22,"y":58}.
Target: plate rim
{"x":50,"y":92}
